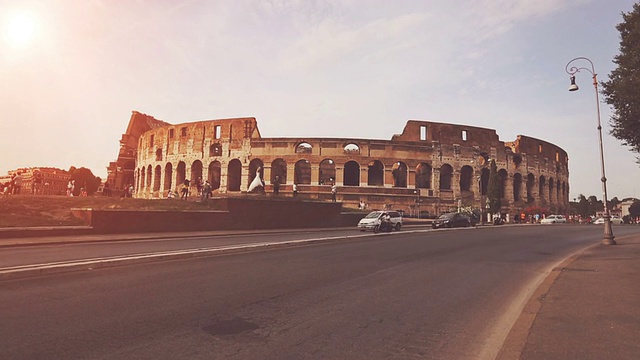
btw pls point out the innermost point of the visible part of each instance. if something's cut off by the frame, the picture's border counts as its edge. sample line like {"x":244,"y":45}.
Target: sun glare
{"x":20,"y":29}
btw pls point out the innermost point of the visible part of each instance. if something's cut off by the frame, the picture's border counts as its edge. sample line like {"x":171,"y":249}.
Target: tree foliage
{"x":613,"y":203}
{"x":595,"y":205}
{"x":634,"y":209}
{"x":493,"y":189}
{"x":621,"y":90}
{"x":84,"y":180}
{"x":583,"y":207}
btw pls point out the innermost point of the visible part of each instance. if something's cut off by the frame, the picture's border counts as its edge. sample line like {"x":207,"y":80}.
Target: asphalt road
{"x":434,"y":295}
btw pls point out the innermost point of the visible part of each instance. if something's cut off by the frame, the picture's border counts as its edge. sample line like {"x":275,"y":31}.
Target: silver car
{"x":554,"y":219}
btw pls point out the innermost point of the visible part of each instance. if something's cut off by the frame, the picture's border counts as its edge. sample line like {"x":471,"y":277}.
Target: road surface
{"x":412,"y":294}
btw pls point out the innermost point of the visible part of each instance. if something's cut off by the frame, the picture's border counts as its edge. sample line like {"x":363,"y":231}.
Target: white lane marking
{"x":176,"y":253}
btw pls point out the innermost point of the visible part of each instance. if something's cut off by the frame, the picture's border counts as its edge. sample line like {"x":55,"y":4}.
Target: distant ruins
{"x":429,"y":167}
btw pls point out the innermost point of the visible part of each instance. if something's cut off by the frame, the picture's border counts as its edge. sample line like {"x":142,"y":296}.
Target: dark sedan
{"x":451,"y":220}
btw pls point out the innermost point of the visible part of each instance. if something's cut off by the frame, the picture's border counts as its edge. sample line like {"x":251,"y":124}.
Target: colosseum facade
{"x":430,"y":167}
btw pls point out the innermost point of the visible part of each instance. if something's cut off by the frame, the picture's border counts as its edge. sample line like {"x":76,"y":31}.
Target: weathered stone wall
{"x":240,"y":214}
{"x":428,"y":167}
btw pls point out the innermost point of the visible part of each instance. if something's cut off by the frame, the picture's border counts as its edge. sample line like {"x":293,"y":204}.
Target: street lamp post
{"x":572,"y":71}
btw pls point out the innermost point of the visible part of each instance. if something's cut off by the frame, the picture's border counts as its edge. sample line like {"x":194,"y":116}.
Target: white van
{"x":374,"y":218}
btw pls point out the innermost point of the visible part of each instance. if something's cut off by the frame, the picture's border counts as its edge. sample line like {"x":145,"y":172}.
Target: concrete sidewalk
{"x":587,"y":308}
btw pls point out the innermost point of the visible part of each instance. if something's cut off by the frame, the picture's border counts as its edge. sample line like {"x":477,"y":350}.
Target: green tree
{"x":595,"y":205}
{"x":493,"y":189}
{"x":583,"y":207}
{"x":634,"y":209}
{"x":613,"y":203}
{"x":84,"y":180}
{"x":621,"y":90}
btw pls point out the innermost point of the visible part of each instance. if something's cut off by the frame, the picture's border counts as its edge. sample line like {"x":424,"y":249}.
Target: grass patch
{"x":28,"y":210}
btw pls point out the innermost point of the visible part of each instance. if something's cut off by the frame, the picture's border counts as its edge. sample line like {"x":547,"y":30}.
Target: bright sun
{"x":20,"y":29}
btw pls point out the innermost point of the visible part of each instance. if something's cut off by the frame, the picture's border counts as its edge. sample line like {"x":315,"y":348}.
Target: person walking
{"x":276,"y":185}
{"x":71,"y":187}
{"x":17,"y":183}
{"x":295,"y":190}
{"x":206,"y":191}
{"x":185,"y":189}
{"x":334,"y":191}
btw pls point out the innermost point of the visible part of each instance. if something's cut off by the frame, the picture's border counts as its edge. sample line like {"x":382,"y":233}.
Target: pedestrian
{"x":71,"y":187}
{"x":295,"y":190}
{"x":199,"y":186}
{"x":334,"y":191}
{"x":206,"y":191}
{"x":17,"y":183}
{"x":276,"y":185}
{"x":185,"y":189}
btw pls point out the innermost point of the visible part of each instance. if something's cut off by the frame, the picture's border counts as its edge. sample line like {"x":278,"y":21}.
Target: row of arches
{"x":165,"y":177}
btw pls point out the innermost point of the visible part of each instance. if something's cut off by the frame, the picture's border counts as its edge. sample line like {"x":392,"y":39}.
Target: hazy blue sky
{"x":72,"y":71}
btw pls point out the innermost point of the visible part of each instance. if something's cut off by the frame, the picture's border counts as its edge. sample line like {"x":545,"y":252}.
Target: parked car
{"x":554,"y":219}
{"x":373,"y":219}
{"x":451,"y":220}
{"x":614,"y":220}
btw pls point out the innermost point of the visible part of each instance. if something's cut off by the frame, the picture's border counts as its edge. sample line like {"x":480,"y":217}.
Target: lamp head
{"x":573,"y":86}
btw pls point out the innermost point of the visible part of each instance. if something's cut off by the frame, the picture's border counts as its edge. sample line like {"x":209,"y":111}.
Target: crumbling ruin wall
{"x":430,"y":166}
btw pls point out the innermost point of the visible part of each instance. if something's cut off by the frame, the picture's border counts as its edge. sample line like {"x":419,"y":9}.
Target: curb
{"x":516,"y":340}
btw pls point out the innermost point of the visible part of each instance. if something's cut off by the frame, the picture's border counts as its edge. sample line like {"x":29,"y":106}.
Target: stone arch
{"x":157,"y":174}
{"x":517,"y":186}
{"x":181,"y":173}
{"x":352,"y":149}
{"x":159,"y":154}
{"x":279,"y":169}
{"x":446,"y":174}
{"x":137,"y":179}
{"x":484,"y":180}
{"x":502,"y":182}
{"x":149,"y":172}
{"x":531,"y":181}
{"x":143,"y":178}
{"x":196,"y":171}
{"x":399,"y":172}
{"x":215,"y":174}
{"x":541,"y":185}
{"x":423,"y":176}
{"x":304,"y":148}
{"x":327,"y":174}
{"x":466,"y":178}
{"x":302,"y":172}
{"x":234,"y":175}
{"x":375,"y":173}
{"x":256,"y":167}
{"x":168,"y":176}
{"x":351,"y":173}
{"x":551,"y":187}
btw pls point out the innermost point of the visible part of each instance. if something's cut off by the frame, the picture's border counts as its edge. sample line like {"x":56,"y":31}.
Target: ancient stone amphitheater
{"x":429,"y":168}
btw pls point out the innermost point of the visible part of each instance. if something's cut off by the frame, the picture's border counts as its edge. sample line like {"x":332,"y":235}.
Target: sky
{"x":72,"y":71}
